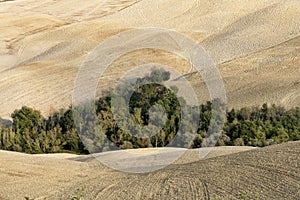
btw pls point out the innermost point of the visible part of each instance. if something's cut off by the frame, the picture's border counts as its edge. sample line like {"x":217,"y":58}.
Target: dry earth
{"x":227,"y":172}
{"x":43,"y":43}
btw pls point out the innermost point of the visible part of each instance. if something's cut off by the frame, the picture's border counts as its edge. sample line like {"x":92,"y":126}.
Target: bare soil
{"x":43,"y":44}
{"x":227,"y":172}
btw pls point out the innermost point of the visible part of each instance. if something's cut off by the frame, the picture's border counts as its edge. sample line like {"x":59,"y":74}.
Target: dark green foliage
{"x":26,"y":119}
{"x":262,"y":126}
{"x":32,"y":133}
{"x":143,"y":98}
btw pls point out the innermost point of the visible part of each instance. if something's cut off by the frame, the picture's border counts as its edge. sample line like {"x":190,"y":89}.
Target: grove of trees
{"x":30,"y":132}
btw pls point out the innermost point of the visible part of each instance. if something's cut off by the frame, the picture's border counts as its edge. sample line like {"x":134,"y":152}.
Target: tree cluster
{"x":30,"y":132}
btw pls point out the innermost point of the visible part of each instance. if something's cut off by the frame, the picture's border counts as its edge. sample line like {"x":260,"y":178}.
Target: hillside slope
{"x":269,"y":173}
{"x":44,"y":44}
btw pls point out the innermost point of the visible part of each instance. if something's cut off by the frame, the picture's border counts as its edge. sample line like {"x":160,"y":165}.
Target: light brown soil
{"x":227,"y":172}
{"x":42,"y":45}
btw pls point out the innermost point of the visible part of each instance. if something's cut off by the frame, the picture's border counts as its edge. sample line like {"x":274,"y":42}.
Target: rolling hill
{"x":254,"y":43}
